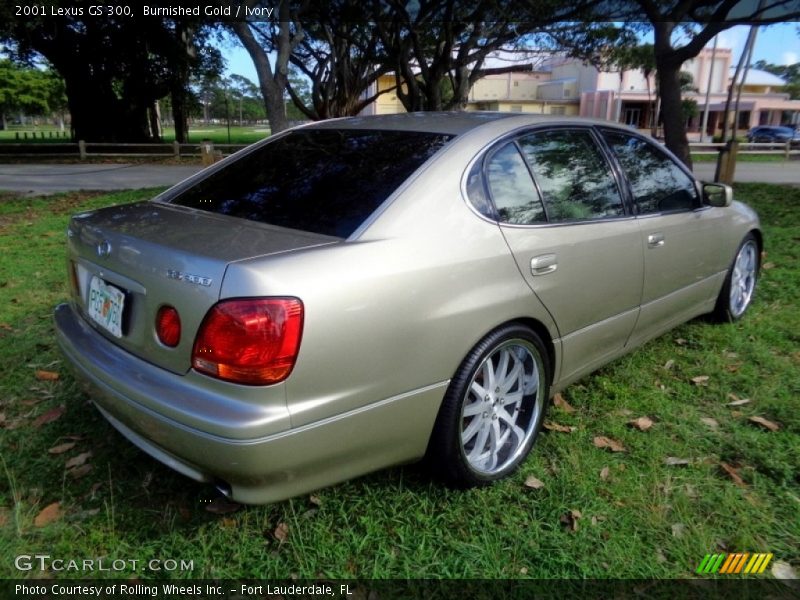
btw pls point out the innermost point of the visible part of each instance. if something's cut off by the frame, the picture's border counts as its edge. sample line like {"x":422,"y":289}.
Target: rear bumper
{"x":207,"y":444}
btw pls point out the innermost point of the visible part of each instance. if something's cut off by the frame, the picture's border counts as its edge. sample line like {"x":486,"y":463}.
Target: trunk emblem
{"x":104,"y":249}
{"x":189,"y":278}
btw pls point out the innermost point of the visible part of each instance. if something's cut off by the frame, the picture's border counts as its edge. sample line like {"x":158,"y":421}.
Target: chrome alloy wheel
{"x":502,"y":406}
{"x":743,"y":278}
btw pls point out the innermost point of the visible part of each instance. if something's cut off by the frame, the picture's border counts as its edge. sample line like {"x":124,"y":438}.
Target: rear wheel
{"x":740,"y":283}
{"x":493,"y":408}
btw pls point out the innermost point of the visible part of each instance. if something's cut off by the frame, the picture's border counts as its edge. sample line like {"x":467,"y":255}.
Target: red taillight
{"x":252,"y":341}
{"x":168,"y":326}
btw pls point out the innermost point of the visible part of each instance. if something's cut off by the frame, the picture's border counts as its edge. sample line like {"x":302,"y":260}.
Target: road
{"x":777,"y":172}
{"x":52,"y":178}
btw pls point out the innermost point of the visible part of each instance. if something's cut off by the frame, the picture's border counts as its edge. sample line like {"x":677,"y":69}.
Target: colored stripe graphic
{"x":734,"y":563}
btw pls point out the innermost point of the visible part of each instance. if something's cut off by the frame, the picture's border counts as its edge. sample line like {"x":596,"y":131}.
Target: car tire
{"x":493,"y":409}
{"x":737,"y":292}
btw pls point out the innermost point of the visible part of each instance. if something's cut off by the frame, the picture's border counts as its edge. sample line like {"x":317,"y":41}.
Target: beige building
{"x":565,"y":86}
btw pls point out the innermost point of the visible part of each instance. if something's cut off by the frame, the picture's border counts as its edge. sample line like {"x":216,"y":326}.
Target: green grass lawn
{"x":198,"y":132}
{"x":637,"y":516}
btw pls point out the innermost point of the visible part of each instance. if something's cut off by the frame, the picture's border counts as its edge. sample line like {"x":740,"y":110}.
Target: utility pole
{"x":704,"y":126}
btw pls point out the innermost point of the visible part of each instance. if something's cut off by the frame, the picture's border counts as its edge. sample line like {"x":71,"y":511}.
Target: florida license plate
{"x":105,"y":306}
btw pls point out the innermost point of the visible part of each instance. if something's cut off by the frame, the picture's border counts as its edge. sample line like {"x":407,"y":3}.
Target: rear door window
{"x":318,"y":180}
{"x":576,"y":181}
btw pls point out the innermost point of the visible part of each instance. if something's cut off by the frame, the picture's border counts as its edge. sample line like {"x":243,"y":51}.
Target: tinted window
{"x":512,"y":188}
{"x":323,"y":181}
{"x":657,"y":183}
{"x":574,"y":177}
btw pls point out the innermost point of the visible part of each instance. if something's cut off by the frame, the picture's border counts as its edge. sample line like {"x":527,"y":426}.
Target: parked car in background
{"x":364,"y":292}
{"x":774,"y":133}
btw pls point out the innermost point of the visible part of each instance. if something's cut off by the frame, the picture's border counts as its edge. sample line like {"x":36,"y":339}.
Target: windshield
{"x":319,"y":180}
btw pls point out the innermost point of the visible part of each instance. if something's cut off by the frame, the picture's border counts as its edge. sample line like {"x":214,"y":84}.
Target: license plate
{"x":105,"y":306}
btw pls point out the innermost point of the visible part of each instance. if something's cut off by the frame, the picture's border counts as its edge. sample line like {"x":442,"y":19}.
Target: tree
{"x":680,"y":29}
{"x":281,"y":37}
{"x":789,"y":73}
{"x":340,"y":58}
{"x":437,"y":48}
{"x":23,"y":89}
{"x":114,"y":68}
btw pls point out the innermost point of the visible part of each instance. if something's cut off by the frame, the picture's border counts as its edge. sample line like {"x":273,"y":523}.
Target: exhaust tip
{"x":223,"y":488}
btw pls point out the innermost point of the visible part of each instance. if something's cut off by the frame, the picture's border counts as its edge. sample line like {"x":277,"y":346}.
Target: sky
{"x":777,"y":44}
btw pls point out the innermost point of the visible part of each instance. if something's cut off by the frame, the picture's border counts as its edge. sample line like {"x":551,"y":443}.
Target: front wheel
{"x":493,"y":408}
{"x":740,"y":283}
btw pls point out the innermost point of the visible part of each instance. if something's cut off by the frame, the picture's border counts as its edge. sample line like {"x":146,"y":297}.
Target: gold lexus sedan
{"x":364,"y":292}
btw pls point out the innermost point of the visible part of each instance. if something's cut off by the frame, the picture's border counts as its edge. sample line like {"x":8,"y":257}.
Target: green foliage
{"x":790,"y":73}
{"x":28,"y":90}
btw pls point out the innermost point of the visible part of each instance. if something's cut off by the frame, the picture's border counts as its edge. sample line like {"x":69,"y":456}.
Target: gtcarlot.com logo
{"x":45,"y":562}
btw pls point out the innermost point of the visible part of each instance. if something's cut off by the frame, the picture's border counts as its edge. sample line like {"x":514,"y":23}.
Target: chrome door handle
{"x":654,"y":240}
{"x":543,"y":264}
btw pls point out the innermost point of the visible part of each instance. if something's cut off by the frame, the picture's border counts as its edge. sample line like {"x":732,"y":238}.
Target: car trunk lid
{"x":143,"y":256}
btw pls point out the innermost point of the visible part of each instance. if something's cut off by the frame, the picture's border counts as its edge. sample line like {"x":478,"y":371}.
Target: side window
{"x":512,"y":188}
{"x":574,"y":177}
{"x":658,"y":184}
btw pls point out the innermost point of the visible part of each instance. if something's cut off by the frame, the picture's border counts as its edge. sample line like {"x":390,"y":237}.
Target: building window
{"x":516,"y":84}
{"x":516,"y":108}
{"x":557,"y":110}
{"x":567,"y":93}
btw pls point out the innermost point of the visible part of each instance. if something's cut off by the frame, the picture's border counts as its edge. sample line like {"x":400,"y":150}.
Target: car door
{"x":681,"y":239}
{"x":561,"y":212}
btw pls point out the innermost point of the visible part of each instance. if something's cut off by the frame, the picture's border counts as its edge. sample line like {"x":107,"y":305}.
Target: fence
{"x":208,"y":149}
{"x":84,"y":150}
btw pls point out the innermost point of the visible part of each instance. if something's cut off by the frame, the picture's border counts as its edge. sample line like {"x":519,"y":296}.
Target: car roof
{"x":452,"y":123}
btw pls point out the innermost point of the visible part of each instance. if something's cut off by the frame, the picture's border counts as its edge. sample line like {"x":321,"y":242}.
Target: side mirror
{"x":717,"y":194}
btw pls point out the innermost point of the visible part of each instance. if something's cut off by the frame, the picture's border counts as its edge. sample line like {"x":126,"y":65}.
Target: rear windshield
{"x":323,"y":181}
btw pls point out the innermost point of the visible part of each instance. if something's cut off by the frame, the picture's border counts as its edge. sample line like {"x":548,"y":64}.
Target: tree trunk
{"x":179,"y":118}
{"x":671,"y":111}
{"x":269,"y":83}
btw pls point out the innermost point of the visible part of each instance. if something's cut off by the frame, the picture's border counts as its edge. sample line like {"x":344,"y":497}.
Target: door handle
{"x":654,"y":240}
{"x":543,"y":264}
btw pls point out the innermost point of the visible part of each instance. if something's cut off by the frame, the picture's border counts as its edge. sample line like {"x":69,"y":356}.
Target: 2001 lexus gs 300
{"x":364,"y":292}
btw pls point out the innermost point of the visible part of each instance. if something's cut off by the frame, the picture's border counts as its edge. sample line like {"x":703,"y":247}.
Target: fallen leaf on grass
{"x":2,"y":419}
{"x":79,"y":472}
{"x":550,"y":426}
{"x":42,"y":375}
{"x":623,"y":412}
{"x":768,"y":265}
{"x":710,"y":422}
{"x":570,"y":520}
{"x":733,"y":474}
{"x":222,"y":506}
{"x":701,"y":380}
{"x":315,"y":500}
{"x":61,"y":448}
{"x":669,"y":364}
{"x":765,"y":423}
{"x":604,"y":473}
{"x":50,"y":513}
{"x":281,"y":532}
{"x":736,"y":401}
{"x":605,"y":442}
{"x":50,"y":416}
{"x":77,"y":461}
{"x":681,"y":341}
{"x":673,"y":461}
{"x":678,"y":529}
{"x":783,"y":570}
{"x":642,"y":423}
{"x":534,"y":483}
{"x":558,"y":400}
